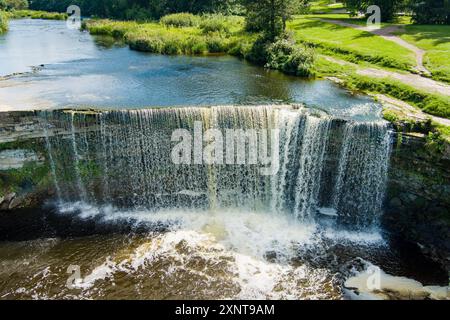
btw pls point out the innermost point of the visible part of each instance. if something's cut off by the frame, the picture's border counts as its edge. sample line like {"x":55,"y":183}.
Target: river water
{"x":126,"y":224}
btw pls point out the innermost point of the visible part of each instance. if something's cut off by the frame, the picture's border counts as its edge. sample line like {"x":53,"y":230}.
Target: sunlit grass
{"x":157,"y":37}
{"x":3,"y":22}
{"x":324,"y":6}
{"x":354,"y":45}
{"x":17,"y":14}
{"x":435,"y":40}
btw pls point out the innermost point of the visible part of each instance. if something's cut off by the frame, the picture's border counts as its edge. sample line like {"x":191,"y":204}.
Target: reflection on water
{"x":81,"y":71}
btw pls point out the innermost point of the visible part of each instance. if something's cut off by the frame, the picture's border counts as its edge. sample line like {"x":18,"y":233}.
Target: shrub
{"x":194,"y":45}
{"x":216,"y":45}
{"x":180,"y":20}
{"x":3,"y":22}
{"x":290,"y":58}
{"x":214,"y":23}
{"x":258,"y":52}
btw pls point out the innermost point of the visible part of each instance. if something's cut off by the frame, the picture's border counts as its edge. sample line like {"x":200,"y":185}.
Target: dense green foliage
{"x":285,"y":55}
{"x":180,"y":20}
{"x":3,"y":22}
{"x":388,"y":7}
{"x":430,"y":11}
{"x":423,"y":11}
{"x":17,"y":14}
{"x":13,"y":4}
{"x":269,"y":16}
{"x":138,"y":9}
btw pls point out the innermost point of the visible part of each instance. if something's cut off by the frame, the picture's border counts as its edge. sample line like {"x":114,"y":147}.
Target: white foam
{"x":387,"y":285}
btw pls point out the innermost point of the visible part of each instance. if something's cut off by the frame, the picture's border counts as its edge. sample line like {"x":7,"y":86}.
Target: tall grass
{"x":180,"y":20}
{"x":18,"y":14}
{"x":163,"y":38}
{"x":3,"y":22}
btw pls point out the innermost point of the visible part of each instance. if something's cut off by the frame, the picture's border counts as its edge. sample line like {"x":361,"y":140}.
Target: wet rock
{"x":8,"y":198}
{"x":16,"y":159}
{"x":15,"y":203}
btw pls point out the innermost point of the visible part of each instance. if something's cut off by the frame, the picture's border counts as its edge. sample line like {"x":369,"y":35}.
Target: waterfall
{"x":124,"y":158}
{"x":52,"y":164}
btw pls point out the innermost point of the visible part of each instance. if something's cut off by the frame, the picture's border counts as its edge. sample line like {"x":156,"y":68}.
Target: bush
{"x":290,"y":58}
{"x":195,"y":45}
{"x":258,"y":52}
{"x":216,"y":45}
{"x":430,"y":11}
{"x":180,"y":20}
{"x":3,"y":22}
{"x":214,"y":23}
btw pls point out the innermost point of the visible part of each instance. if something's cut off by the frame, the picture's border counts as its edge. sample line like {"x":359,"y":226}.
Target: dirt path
{"x":388,"y":33}
{"x":413,"y":80}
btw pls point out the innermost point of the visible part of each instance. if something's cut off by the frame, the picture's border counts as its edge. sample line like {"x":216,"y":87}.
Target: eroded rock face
{"x":16,"y":159}
{"x":418,"y":197}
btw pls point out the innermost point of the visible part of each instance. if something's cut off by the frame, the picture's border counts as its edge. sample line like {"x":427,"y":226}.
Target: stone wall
{"x":24,"y":172}
{"x":418,"y":195}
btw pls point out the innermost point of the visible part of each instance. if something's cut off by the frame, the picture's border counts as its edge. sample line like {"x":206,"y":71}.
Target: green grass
{"x":3,"y":22}
{"x":19,"y":14}
{"x":324,"y":6}
{"x":159,"y":38}
{"x":435,"y":40}
{"x":351,"y":44}
{"x":434,"y":104}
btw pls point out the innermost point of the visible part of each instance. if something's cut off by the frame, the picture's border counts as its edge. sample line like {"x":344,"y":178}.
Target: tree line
{"x":266,"y":14}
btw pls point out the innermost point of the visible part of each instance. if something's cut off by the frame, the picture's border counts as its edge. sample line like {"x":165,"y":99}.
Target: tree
{"x":388,"y":7}
{"x":269,"y":16}
{"x":430,"y":11}
{"x":13,"y":4}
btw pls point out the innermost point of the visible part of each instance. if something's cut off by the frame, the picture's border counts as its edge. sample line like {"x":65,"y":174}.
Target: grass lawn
{"x":435,"y":40}
{"x":351,"y":44}
{"x":325,"y":6}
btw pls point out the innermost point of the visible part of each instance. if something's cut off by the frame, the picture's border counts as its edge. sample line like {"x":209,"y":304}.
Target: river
{"x":127,"y":223}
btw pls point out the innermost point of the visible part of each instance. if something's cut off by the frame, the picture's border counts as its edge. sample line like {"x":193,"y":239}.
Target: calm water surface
{"x":82,"y":70}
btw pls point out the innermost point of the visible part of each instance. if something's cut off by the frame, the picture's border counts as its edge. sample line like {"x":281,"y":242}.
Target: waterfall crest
{"x":123,"y":158}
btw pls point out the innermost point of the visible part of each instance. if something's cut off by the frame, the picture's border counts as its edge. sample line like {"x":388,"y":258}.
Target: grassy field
{"x":18,"y":14}
{"x":435,"y":40}
{"x":351,"y":44}
{"x":324,"y":6}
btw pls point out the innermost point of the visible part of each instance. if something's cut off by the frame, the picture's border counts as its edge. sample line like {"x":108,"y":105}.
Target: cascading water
{"x":123,"y":158}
